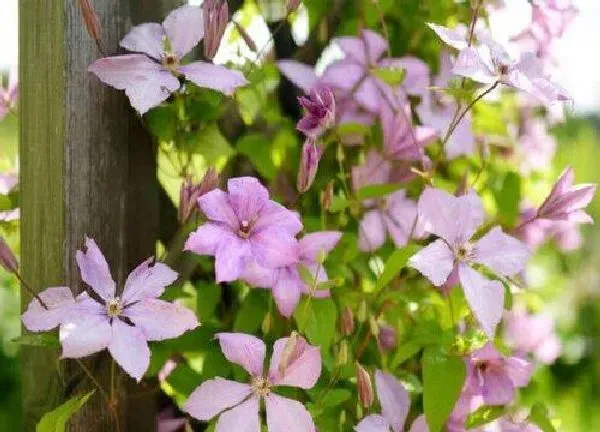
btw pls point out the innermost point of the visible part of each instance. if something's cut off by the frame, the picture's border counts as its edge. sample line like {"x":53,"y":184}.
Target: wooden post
{"x":87,"y":168}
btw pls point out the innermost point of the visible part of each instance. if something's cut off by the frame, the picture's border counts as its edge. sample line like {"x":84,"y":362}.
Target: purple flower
{"x":319,"y":112}
{"x":454,"y":220}
{"x":286,"y":283}
{"x":150,"y":77}
{"x":167,"y":422}
{"x":245,"y":227}
{"x":309,"y":163}
{"x":122,"y":323}
{"x":567,"y":202}
{"x":493,"y":377}
{"x":294,"y":363}
{"x":387,"y":337}
{"x":9,"y":95}
{"x":395,"y":405}
{"x":489,"y":63}
{"x":532,"y":334}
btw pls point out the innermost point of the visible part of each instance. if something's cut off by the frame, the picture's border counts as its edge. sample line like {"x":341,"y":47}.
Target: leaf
{"x":404,"y":352}
{"x":443,"y":379}
{"x":391,"y":75}
{"x":352,"y":129}
{"x":335,"y":397}
{"x":316,"y":319}
{"x":540,"y":417}
{"x":483,"y":415}
{"x":56,"y":420}
{"x":210,"y":143}
{"x":250,"y":316}
{"x":395,"y":263}
{"x":377,"y":190}
{"x":306,"y":275}
{"x":258,"y":150}
{"x":47,"y":339}
{"x":209,"y":295}
{"x":508,"y":199}
{"x":338,"y":204}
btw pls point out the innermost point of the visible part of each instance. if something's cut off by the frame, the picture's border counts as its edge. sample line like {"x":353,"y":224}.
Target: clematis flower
{"x":309,"y":163}
{"x":392,"y":215}
{"x":489,"y":63}
{"x":244,"y":227}
{"x":395,"y":405}
{"x":567,"y":202}
{"x":454,"y":220}
{"x":286,"y":283}
{"x":319,"y":112}
{"x":122,"y":323}
{"x":294,"y":363}
{"x":9,"y":94}
{"x":532,"y":334}
{"x":493,"y":377}
{"x":150,"y":77}
{"x":536,"y":147}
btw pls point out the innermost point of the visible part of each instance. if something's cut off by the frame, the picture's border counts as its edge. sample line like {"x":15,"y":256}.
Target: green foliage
{"x":56,"y":420}
{"x":483,"y":415}
{"x":317,"y":319}
{"x":395,"y":263}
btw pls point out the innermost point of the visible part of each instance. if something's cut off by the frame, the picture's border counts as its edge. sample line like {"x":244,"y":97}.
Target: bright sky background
{"x":577,"y":52}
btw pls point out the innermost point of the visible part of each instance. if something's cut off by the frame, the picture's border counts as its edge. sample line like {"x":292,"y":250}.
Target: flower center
{"x":261,"y":386}
{"x":171,"y":62}
{"x":244,"y":229}
{"x":463,"y":252}
{"x":113,"y":308}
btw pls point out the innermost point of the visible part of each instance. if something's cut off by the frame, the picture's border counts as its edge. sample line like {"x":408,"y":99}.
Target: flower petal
{"x":371,"y":234}
{"x":301,"y":367}
{"x":373,"y":423}
{"x":214,"y":396}
{"x":147,"y":280}
{"x":58,"y":300}
{"x":205,"y":240}
{"x":274,"y":247}
{"x":216,"y":207}
{"x":449,"y":37}
{"x":287,"y":291}
{"x":215,"y":77}
{"x":287,"y":415}
{"x":231,"y":257}
{"x":343,"y":74}
{"x":485,"y":297}
{"x":247,"y":197}
{"x":245,"y":350}
{"x":314,"y":244}
{"x":502,"y":253}
{"x":471,"y":63}
{"x":94,"y":270}
{"x":519,"y":370}
{"x":274,"y":214}
{"x":420,"y":425}
{"x":85,"y":330}
{"x":185,"y":28}
{"x":242,"y":418}
{"x":394,"y":400}
{"x":300,"y":74}
{"x":435,"y":262}
{"x":161,"y":320}
{"x":129,"y":348}
{"x":145,"y":38}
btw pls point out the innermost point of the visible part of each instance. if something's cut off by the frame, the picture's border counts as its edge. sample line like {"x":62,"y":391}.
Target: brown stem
{"x":30,"y":290}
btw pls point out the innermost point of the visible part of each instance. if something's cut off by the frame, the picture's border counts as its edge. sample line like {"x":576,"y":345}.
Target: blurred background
{"x":568,"y":284}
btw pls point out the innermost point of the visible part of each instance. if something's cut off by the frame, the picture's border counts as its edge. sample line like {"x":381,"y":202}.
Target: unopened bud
{"x":289,"y":351}
{"x":373,"y":326}
{"x":365,"y":387}
{"x":190,"y":192}
{"x":342,"y":357}
{"x":7,"y":258}
{"x":347,"y":322}
{"x":311,"y":155}
{"x":91,"y":21}
{"x":362,"y":312}
{"x":387,"y":337}
{"x":266,"y":324}
{"x":216,"y":16}
{"x":327,"y":196}
{"x":292,"y":5}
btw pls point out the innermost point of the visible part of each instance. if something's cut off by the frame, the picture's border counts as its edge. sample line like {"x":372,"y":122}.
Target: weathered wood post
{"x":87,"y":167}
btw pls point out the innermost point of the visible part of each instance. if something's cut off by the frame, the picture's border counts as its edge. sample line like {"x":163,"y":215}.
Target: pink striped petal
{"x":215,"y":77}
{"x":242,"y":418}
{"x":287,"y":415}
{"x":185,"y":28}
{"x":161,"y":320}
{"x":214,"y":396}
{"x":245,"y":350}
{"x":94,"y":270}
{"x":147,"y":280}
{"x":301,"y":368}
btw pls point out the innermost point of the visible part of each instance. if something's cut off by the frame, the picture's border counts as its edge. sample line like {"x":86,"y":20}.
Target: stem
{"x":94,"y":380}
{"x":30,"y":290}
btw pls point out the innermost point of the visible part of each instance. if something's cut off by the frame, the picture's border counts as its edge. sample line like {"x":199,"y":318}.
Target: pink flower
{"x":567,"y":202}
{"x":489,"y":63}
{"x":395,"y":405}
{"x":536,"y":147}
{"x":392,"y":215}
{"x":532,"y":334}
{"x":9,"y":95}
{"x":286,"y":283}
{"x":167,"y":422}
{"x":494,"y":378}
{"x":311,"y":155}
{"x":245,"y":227}
{"x":454,"y":220}
{"x":150,"y":77}
{"x":294,"y":363}
{"x":122,"y":323}
{"x":319,"y":112}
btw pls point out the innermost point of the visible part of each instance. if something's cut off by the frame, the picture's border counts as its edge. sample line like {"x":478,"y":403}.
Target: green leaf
{"x":317,"y":319}
{"x":404,"y":352}
{"x":253,"y":310}
{"x":56,"y":420}
{"x":377,"y":190}
{"x":335,"y":397}
{"x":306,"y":275}
{"x":443,"y":378}
{"x":258,"y":150}
{"x":390,"y":75}
{"x":508,"y":199}
{"x":540,"y":417}
{"x":209,"y":295}
{"x":350,"y":129}
{"x":395,"y":263}
{"x":210,"y":143}
{"x":338,"y":204}
{"x":483,"y":415}
{"x":38,"y":339}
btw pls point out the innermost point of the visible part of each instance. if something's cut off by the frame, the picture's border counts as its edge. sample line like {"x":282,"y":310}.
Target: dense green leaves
{"x":56,"y":420}
{"x":317,"y":319}
{"x":395,"y":263}
{"x":540,"y":417}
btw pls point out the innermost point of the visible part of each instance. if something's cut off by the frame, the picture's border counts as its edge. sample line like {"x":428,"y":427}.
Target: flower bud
{"x":311,"y":155}
{"x":362,"y":312}
{"x":387,"y":337}
{"x":266,"y":324}
{"x":319,"y":112}
{"x":365,"y":386}
{"x":289,"y":351}
{"x":342,"y":357}
{"x":91,"y":20}
{"x":7,"y":258}
{"x":327,"y":196}
{"x":216,"y":16}
{"x":347,"y":322}
{"x":190,"y":192}
{"x":292,"y":5}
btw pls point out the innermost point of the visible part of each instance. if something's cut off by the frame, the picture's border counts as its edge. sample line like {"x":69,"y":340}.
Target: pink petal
{"x":242,"y":418}
{"x":435,"y":262}
{"x":8,"y":181}
{"x":485,"y":297}
{"x":343,"y":74}
{"x":354,"y":49}
{"x":161,"y":320}
{"x":394,"y":400}
{"x":298,"y":73}
{"x":58,"y":300}
{"x":450,"y":37}
{"x":247,"y":197}
{"x":375,"y":45}
{"x":214,"y":77}
{"x":472,"y":64}
{"x":145,"y":38}
{"x":146,"y":83}
{"x":231,"y":258}
{"x":214,"y":396}
{"x":420,"y":425}
{"x":185,"y":28}
{"x":274,"y":247}
{"x":148,"y":280}
{"x":85,"y":330}
{"x":372,"y":233}
{"x":94,"y":270}
{"x":274,"y":214}
{"x":313,"y":245}
{"x":245,"y":350}
{"x":129,"y":348}
{"x":302,"y":367}
{"x":259,"y":276}
{"x":216,"y":206}
{"x":504,"y":254}
{"x":205,"y":240}
{"x":286,"y":291}
{"x":373,"y":423}
{"x":287,"y":415}
{"x":370,"y":95}
{"x":519,"y":370}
